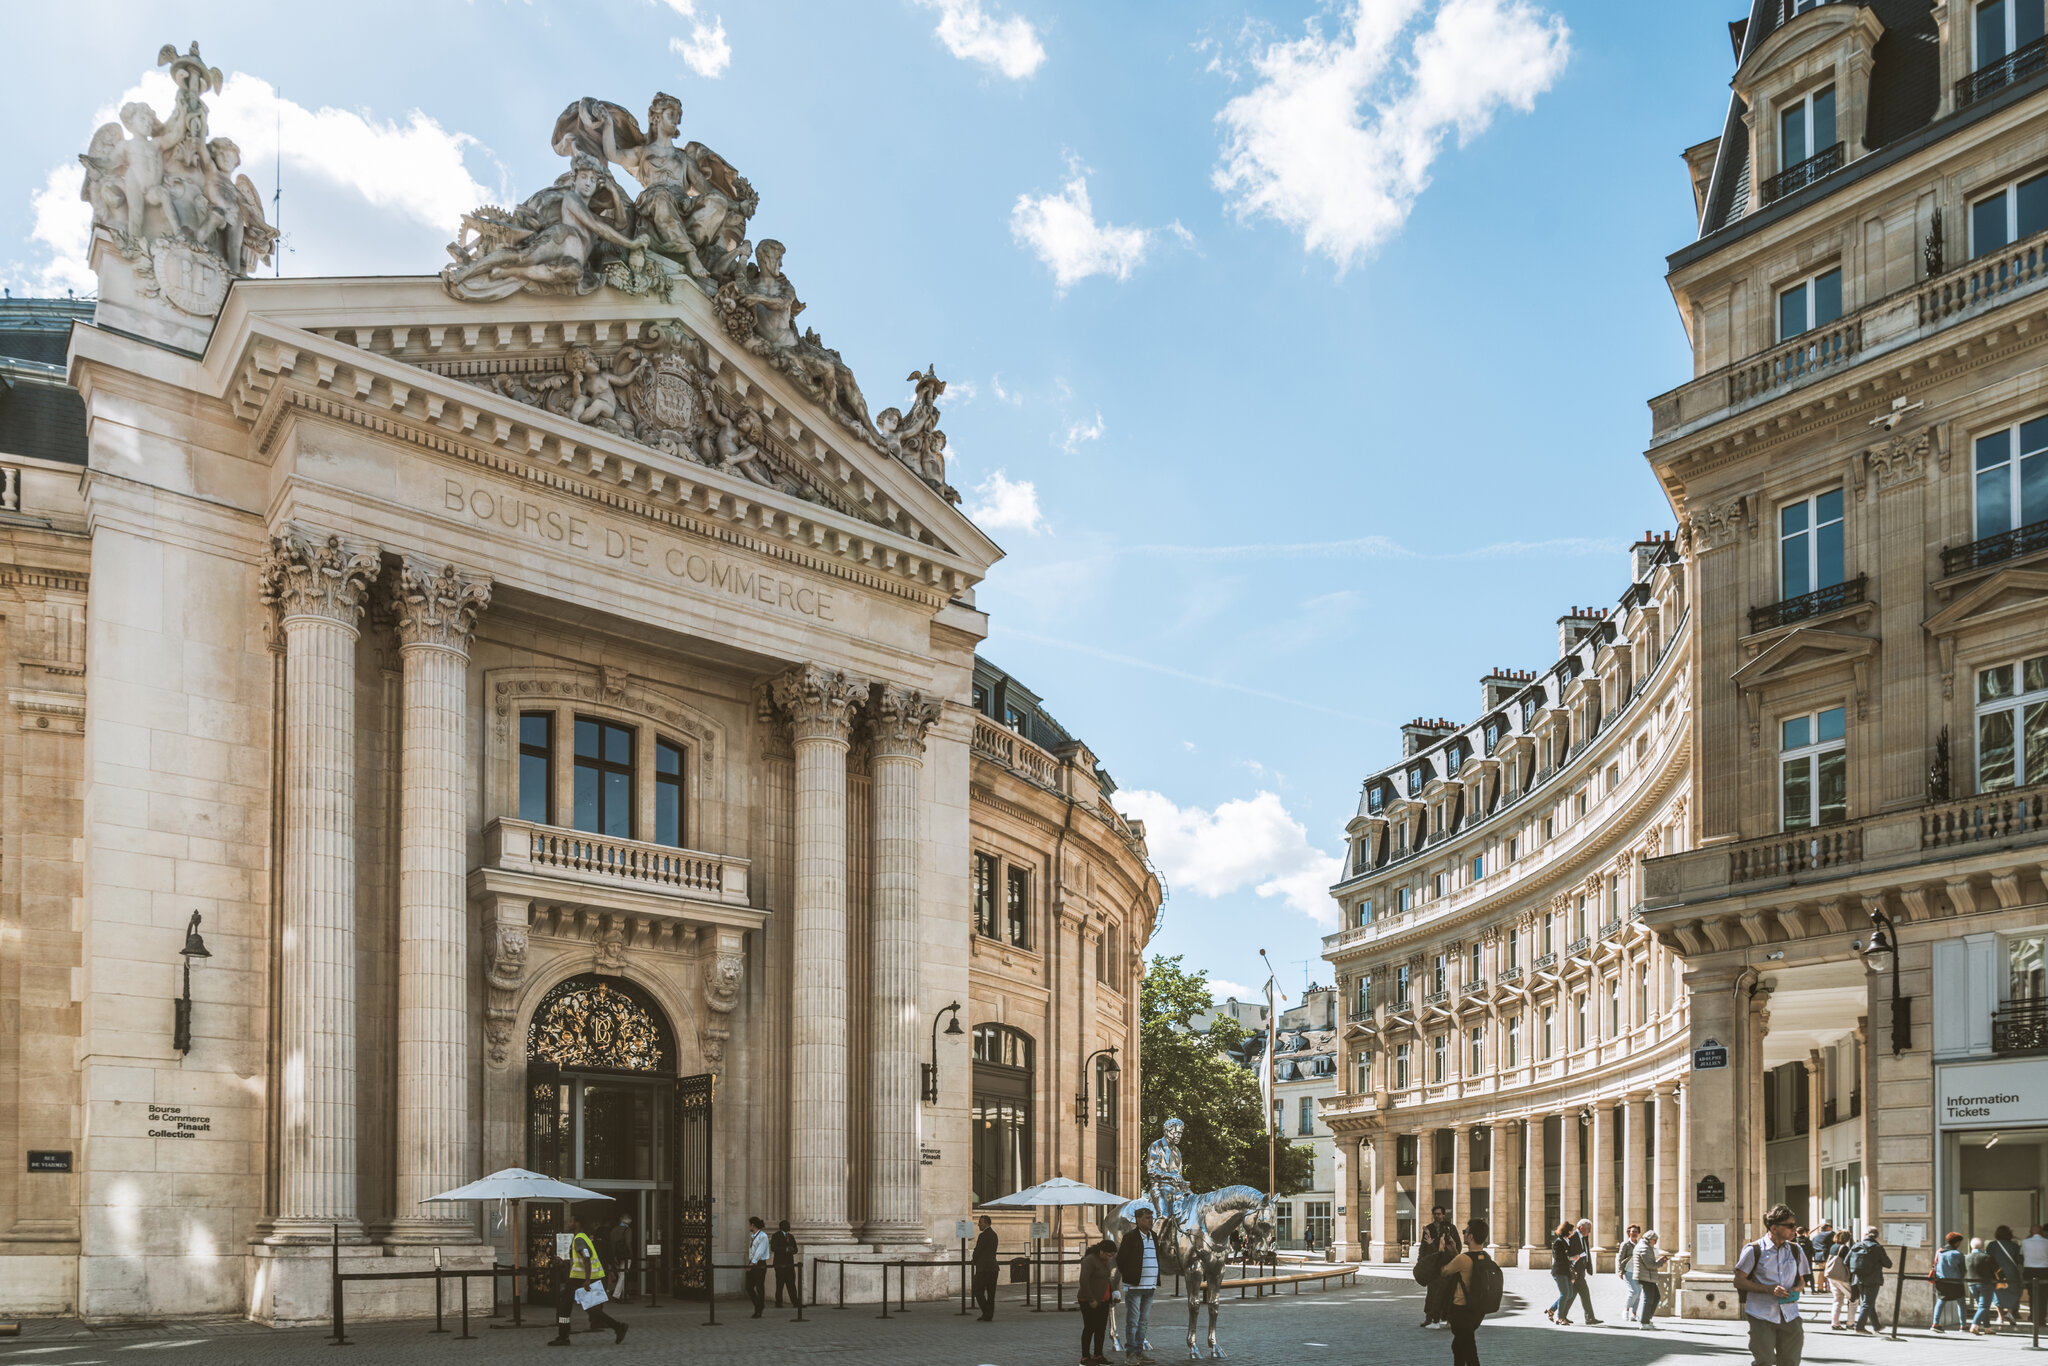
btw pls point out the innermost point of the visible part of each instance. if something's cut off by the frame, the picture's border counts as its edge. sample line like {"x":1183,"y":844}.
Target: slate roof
{"x":1905,"y":91}
{"x":41,"y":415}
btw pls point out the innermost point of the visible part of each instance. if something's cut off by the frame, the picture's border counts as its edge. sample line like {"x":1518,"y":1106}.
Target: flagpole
{"x":1273,"y":1085}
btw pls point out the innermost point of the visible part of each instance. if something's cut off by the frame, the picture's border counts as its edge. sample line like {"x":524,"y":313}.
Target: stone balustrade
{"x":1015,"y":753}
{"x":603,"y":861}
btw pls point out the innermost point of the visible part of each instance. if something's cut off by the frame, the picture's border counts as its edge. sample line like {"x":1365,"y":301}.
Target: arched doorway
{"x":606,"y":1111}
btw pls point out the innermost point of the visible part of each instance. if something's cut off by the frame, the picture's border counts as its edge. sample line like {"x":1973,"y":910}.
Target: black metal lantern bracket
{"x":195,"y":947}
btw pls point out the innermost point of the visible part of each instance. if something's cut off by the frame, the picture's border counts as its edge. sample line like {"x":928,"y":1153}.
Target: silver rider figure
{"x":1165,"y":1182}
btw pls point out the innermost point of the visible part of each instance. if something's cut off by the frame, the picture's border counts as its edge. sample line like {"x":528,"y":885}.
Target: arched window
{"x":1106,"y":1108}
{"x":1004,"y":1086}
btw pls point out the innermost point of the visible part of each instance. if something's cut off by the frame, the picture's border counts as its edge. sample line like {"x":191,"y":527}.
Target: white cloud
{"x":1062,"y":230}
{"x":414,"y":168}
{"x":1188,"y":745}
{"x":1007,"y":503}
{"x":1240,"y":844}
{"x":1079,"y":432}
{"x":706,"y":52}
{"x":1337,"y":137}
{"x":1015,"y":400}
{"x":1009,"y":45}
{"x":1221,"y":988}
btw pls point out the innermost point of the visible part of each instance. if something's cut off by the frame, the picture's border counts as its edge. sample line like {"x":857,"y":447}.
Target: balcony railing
{"x":601,"y":861}
{"x":2020,"y":1027}
{"x":1807,"y":605}
{"x":1578,"y":946}
{"x":1475,"y":987}
{"x":1611,"y":928}
{"x":1015,"y":753}
{"x":1796,"y":851}
{"x":1987,"y":816}
{"x":2010,"y":69}
{"x":10,"y":489}
{"x":1545,"y":963}
{"x":1436,"y":998}
{"x":2007,"y":545}
{"x":1799,"y":175}
{"x":1511,"y":976}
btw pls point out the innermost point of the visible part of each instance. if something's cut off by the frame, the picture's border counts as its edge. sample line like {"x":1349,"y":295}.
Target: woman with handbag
{"x":1097,"y":1298}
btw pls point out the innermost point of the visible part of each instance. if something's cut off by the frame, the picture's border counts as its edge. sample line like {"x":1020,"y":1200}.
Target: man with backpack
{"x":1475,"y":1285}
{"x":1868,"y":1261}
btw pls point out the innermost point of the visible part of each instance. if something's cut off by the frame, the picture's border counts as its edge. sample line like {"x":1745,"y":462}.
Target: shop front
{"x":1992,"y":1163}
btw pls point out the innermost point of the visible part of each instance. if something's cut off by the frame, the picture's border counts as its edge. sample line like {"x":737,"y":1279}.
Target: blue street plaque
{"x":1712,"y":1055}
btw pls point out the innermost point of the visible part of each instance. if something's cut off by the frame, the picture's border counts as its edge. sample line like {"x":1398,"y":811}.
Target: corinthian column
{"x":897,"y":721}
{"x":317,"y":586}
{"x":436,"y":608}
{"x":819,"y":704}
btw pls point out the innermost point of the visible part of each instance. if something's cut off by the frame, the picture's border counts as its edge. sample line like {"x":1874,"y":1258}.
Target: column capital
{"x":314,"y":574}
{"x":437,"y":604}
{"x":898,"y":720}
{"x":817,"y":701}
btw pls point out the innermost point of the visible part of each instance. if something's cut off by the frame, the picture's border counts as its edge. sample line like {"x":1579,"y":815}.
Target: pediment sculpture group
{"x":169,"y":198}
{"x":686,"y":229}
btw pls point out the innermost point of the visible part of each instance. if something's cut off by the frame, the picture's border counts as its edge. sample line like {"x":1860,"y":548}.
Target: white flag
{"x":1266,"y":1077}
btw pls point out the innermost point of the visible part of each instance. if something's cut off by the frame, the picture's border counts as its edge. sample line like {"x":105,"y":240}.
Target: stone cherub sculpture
{"x":169,"y":197}
{"x":758,"y":309}
{"x":693,"y":206}
{"x":919,"y":443}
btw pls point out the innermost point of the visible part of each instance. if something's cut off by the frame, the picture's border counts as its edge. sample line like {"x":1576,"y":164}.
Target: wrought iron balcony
{"x":1808,"y":605}
{"x":1436,"y":998}
{"x":2020,"y":1027}
{"x":2010,"y":69}
{"x":1801,"y":174}
{"x":1475,"y":987}
{"x":1611,"y":928}
{"x":2007,"y":545}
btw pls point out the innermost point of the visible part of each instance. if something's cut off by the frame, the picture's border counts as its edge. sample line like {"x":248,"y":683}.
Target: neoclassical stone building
{"x":541,"y":703}
{"x":1515,"y":1040}
{"x":1860,"y":462}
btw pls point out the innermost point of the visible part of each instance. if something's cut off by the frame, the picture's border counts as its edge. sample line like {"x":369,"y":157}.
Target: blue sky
{"x":1298,"y":351}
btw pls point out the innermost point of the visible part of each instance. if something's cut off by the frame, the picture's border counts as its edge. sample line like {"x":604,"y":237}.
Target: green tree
{"x":1194,"y":1073}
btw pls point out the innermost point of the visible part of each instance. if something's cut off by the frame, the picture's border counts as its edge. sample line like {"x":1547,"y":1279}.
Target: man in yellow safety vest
{"x":583,"y":1284}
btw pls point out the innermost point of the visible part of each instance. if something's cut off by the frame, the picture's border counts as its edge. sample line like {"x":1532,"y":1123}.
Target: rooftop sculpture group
{"x":686,"y":229}
{"x":168,"y":196}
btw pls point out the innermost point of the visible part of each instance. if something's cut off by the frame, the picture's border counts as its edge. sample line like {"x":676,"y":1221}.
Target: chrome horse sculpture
{"x":1197,"y":1234}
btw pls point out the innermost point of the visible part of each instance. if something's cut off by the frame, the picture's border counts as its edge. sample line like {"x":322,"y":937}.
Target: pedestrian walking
{"x":985,"y":1270}
{"x":1137,"y":1265}
{"x":2034,"y":1263}
{"x":1841,"y":1288}
{"x":618,"y":1255}
{"x":1648,"y":1262}
{"x":1560,"y":1313}
{"x":584,"y":1285}
{"x":1769,"y":1272}
{"x":1438,"y":1244}
{"x":1824,"y":1241}
{"x":1475,"y":1283}
{"x":757,"y":1263}
{"x":1947,"y":1275}
{"x":1625,"y":1267}
{"x":1805,"y":1241}
{"x":1868,"y":1261}
{"x":2012,"y":1274}
{"x":1096,"y":1295}
{"x":1980,"y":1276}
{"x":787,"y":1258}
{"x":1582,"y":1267}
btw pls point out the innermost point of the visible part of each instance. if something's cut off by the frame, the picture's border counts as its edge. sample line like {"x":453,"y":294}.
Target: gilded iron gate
{"x":690,"y":1188}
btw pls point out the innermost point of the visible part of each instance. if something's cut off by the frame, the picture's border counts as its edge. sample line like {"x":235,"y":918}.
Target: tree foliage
{"x":1191,"y":1073}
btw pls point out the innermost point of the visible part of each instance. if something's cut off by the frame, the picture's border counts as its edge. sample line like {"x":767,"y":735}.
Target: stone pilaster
{"x":1664,"y":1204}
{"x":1386,"y":1198}
{"x":898,"y":719}
{"x":1597,"y":1199}
{"x":436,"y":608}
{"x":1501,"y":1244}
{"x":318,"y":586}
{"x":1535,"y":1197}
{"x":1635,"y":1174}
{"x":818,"y":703}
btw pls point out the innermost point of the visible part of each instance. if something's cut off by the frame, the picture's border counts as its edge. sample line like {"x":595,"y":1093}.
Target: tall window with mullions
{"x":1106,"y":1107}
{"x":1004,"y":1079}
{"x":2012,"y":725}
{"x":668,"y":793}
{"x":537,"y":767}
{"x":604,"y":778}
{"x":2012,"y":478}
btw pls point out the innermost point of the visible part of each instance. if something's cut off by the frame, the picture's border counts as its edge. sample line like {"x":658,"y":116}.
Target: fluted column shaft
{"x":1535,"y":1196}
{"x":436,"y":612}
{"x":898,"y":719}
{"x":1665,"y":1203}
{"x":317,"y":586}
{"x":819,"y":704}
{"x":1635,"y":1174}
{"x":1386,"y":1198}
{"x":1499,"y":1145}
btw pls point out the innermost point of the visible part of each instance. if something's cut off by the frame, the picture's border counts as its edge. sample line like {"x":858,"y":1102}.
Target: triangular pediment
{"x":2006,"y":594}
{"x":1805,"y":651}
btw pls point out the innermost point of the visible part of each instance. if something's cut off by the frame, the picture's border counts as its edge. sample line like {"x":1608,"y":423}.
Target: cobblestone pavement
{"x":1374,"y":1322}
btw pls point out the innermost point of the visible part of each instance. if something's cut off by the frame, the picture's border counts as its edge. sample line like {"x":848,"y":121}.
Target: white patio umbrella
{"x":515,"y":1184}
{"x":1059,"y":1193}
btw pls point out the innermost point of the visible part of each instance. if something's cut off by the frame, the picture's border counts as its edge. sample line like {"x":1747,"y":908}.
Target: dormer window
{"x":1453,"y":758}
{"x":1492,"y":735}
{"x":2005,"y":26}
{"x":1807,"y":128}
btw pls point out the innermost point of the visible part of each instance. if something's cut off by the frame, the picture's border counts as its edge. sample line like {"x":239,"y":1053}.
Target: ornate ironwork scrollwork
{"x":594,"y":1022}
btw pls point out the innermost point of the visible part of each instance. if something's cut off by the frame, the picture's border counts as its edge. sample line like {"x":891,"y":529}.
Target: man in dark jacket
{"x":1436,"y":1244}
{"x":1868,"y":1262}
{"x":985,"y":1270}
{"x":782,"y":1246}
{"x":1137,"y":1266}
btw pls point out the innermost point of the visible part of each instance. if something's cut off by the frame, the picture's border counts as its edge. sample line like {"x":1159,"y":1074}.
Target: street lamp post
{"x":931,"y":1069}
{"x":1081,"y":1094}
{"x":195,"y":947}
{"x":1883,"y":953}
